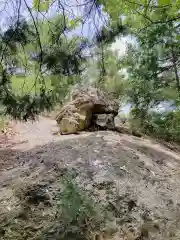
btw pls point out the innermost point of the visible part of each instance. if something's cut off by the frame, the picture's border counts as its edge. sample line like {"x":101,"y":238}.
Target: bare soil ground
{"x":137,"y":180}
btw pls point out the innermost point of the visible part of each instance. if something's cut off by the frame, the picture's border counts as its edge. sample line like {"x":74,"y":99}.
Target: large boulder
{"x":102,"y":101}
{"x":79,"y":112}
{"x":75,"y":116}
{"x":70,"y":125}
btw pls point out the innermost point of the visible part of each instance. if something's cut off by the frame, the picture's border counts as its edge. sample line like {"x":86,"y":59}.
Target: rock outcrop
{"x":84,"y":109}
{"x":103,"y":121}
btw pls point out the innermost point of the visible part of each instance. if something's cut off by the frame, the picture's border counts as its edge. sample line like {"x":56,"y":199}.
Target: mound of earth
{"x":134,"y":182}
{"x":87,"y":108}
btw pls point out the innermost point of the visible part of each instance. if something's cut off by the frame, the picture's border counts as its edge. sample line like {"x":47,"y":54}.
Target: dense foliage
{"x":39,"y":49}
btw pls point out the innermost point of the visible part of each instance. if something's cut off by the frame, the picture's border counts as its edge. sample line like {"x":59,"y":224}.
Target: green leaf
{"x":35,"y":4}
{"x":41,"y":5}
{"x":178,"y":37}
{"x":164,"y":2}
{"x":74,"y":23}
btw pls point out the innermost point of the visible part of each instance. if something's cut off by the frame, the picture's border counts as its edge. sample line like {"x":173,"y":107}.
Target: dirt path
{"x":31,"y":134}
{"x":28,"y":136}
{"x":35,"y":133}
{"x":115,"y":168}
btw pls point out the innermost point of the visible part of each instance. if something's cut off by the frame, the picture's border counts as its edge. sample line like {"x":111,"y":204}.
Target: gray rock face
{"x":104,"y":121}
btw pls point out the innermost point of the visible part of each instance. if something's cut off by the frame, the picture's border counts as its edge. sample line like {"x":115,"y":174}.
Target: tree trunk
{"x":175,"y":69}
{"x":174,"y":59}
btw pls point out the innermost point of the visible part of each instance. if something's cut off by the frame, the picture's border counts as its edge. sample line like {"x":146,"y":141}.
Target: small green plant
{"x":79,"y":213}
{"x":3,"y":122}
